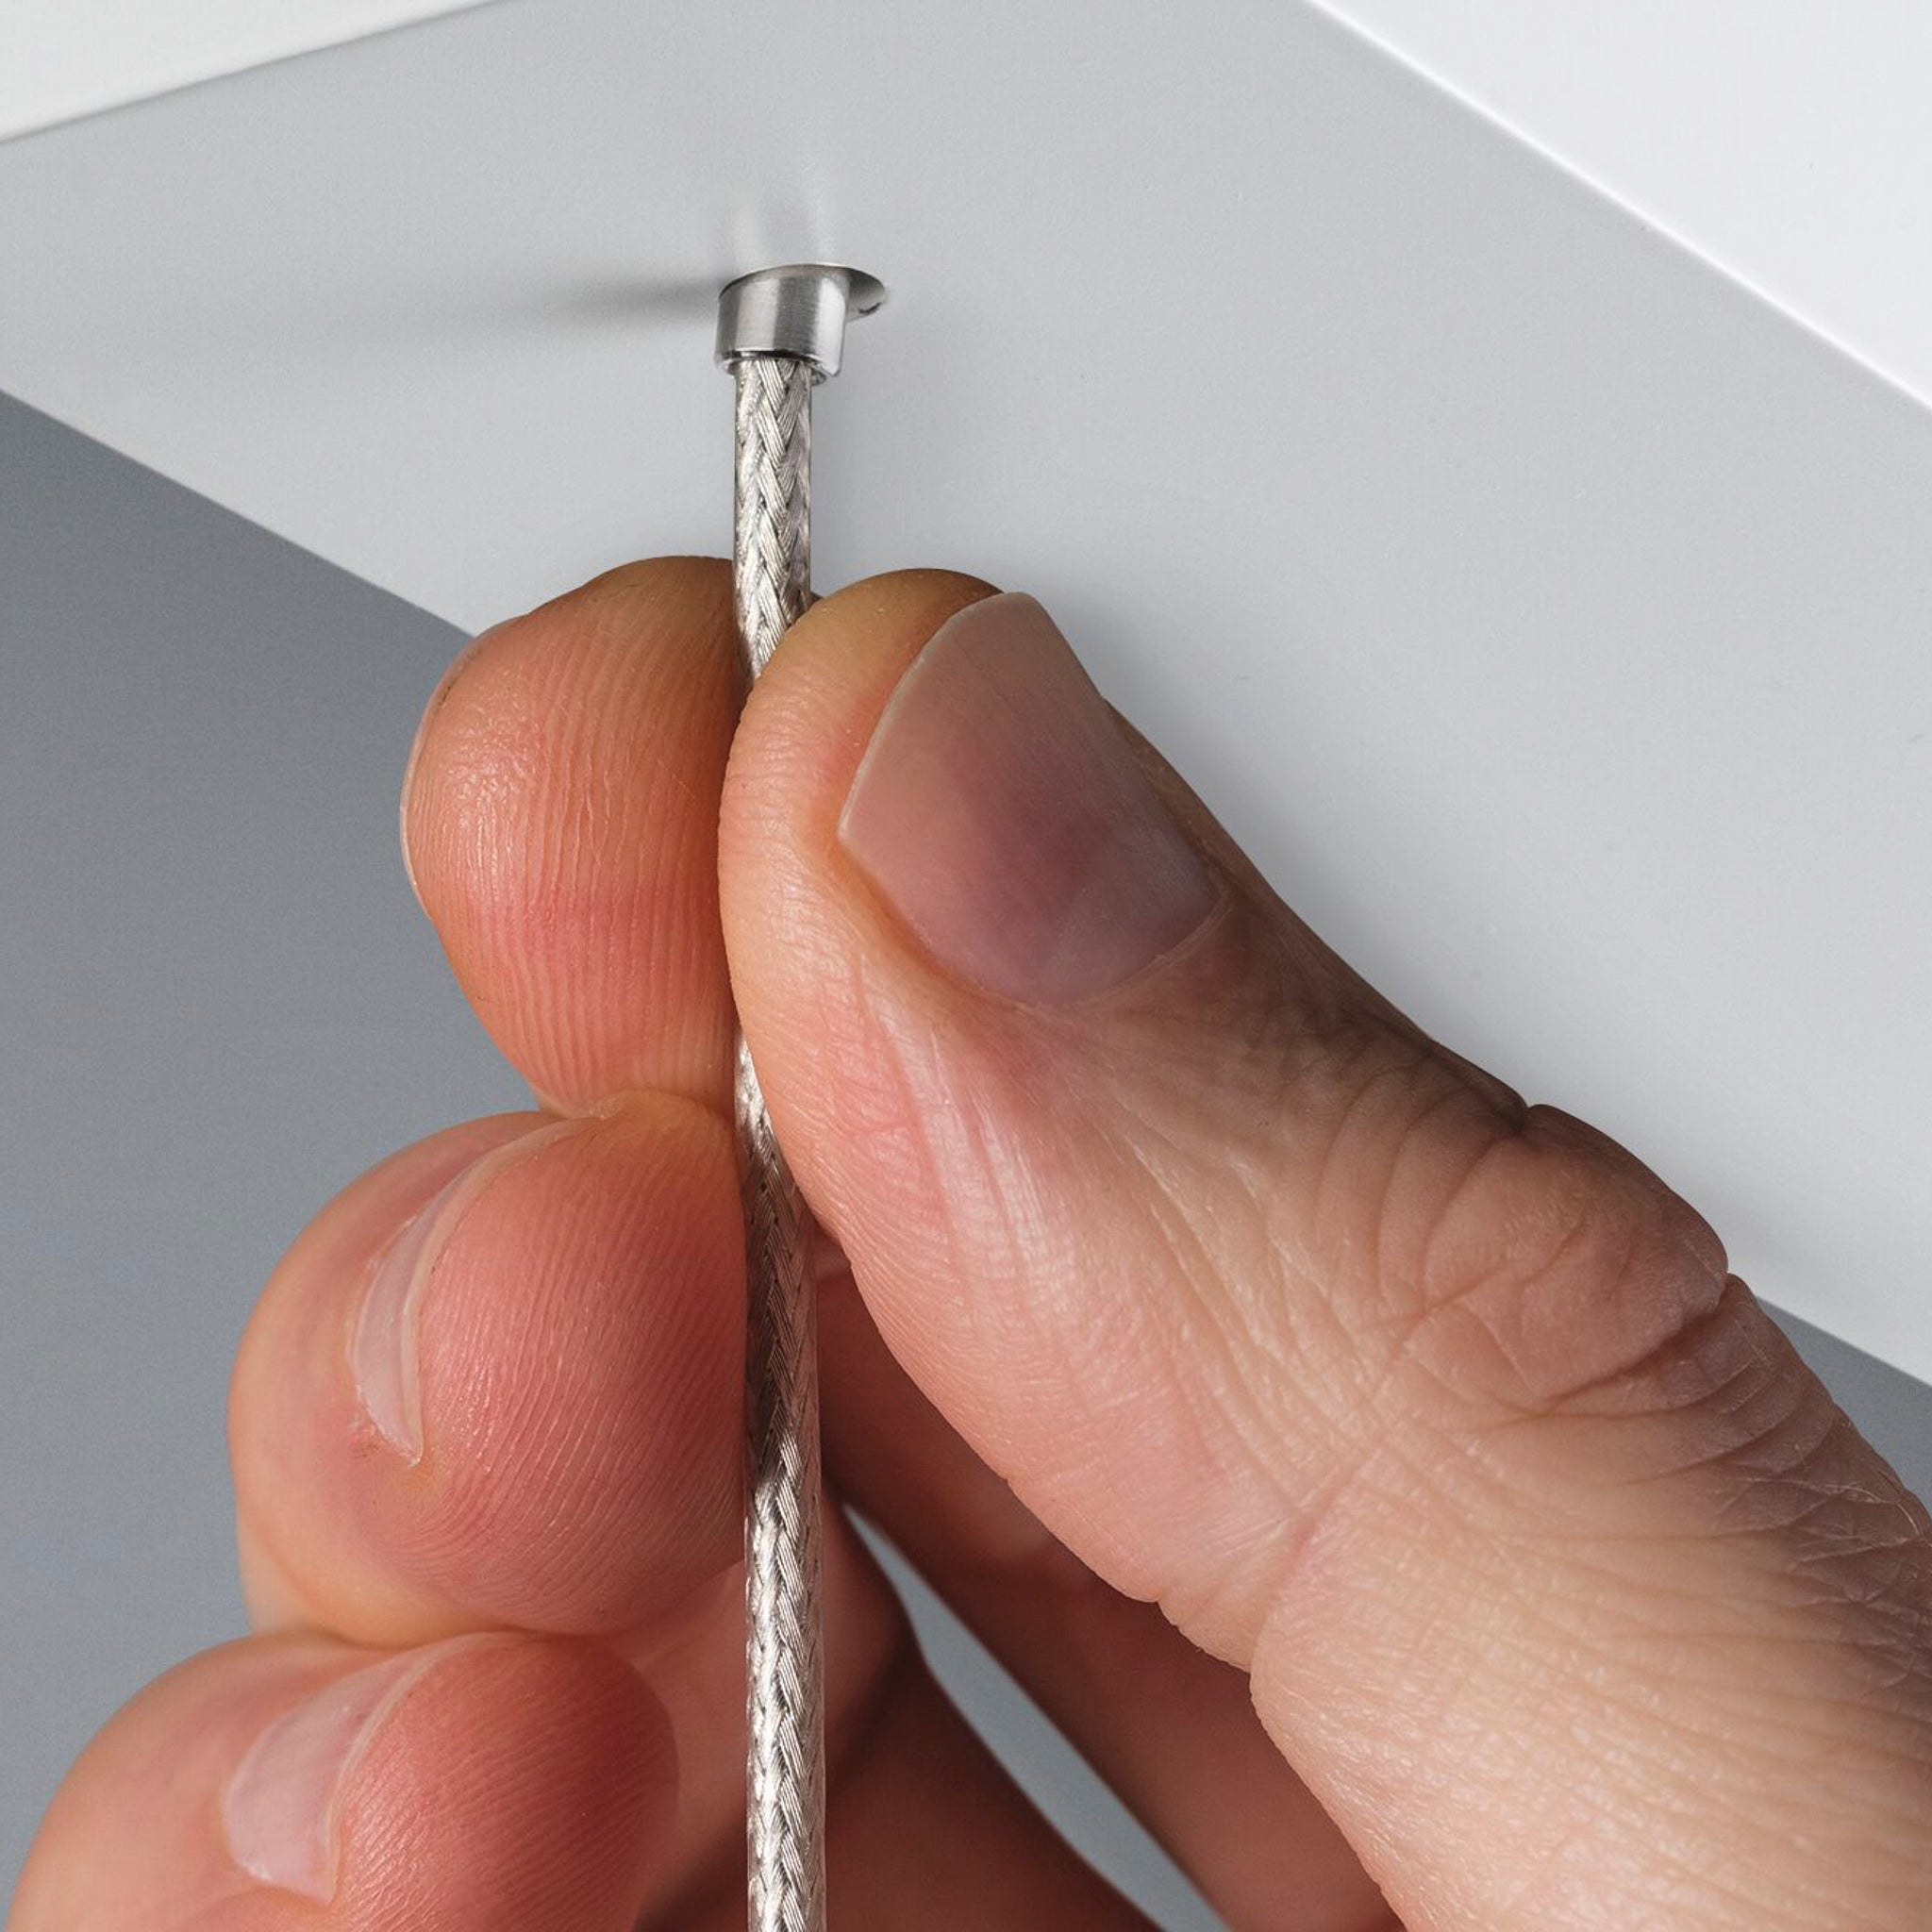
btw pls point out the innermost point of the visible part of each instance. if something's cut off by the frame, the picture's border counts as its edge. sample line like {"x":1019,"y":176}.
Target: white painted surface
{"x":1789,"y":141}
{"x":60,"y":58}
{"x":1548,"y":615}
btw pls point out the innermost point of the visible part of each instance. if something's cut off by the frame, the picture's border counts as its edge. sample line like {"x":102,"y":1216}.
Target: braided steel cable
{"x":785,"y":1816}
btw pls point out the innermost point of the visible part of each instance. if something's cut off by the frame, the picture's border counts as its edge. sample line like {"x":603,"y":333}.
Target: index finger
{"x":561,"y":826}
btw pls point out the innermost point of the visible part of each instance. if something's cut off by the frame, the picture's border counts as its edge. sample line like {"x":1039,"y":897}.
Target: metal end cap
{"x":798,"y":310}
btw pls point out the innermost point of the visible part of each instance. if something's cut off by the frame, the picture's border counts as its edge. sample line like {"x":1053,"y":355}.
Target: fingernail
{"x":280,"y":1806}
{"x":456,"y":666}
{"x":383,"y":1353}
{"x":1001,"y":814}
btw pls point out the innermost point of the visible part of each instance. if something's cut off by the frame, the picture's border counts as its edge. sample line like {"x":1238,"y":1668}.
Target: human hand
{"x":1356,"y":1417}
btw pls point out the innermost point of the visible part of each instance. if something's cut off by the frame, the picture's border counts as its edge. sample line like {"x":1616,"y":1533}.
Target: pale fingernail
{"x":279,"y":1810}
{"x":383,"y":1351}
{"x":1001,"y":813}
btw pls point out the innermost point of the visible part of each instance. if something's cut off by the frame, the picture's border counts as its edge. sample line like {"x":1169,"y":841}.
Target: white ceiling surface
{"x":1547,"y":614}
{"x":60,"y":58}
{"x":1790,"y":142}
{"x":1786,"y":142}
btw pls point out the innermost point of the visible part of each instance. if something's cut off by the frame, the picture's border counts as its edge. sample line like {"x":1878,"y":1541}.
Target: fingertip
{"x":488,"y":1781}
{"x":799,"y":745}
{"x":498,"y":1382}
{"x":580,"y":1360}
{"x":523,"y":1781}
{"x":559,"y":823}
{"x":807,"y":719}
{"x":910,"y":605}
{"x":292,"y":1359}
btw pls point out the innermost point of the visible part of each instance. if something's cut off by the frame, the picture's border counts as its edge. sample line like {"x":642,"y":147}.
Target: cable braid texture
{"x":785,"y":1697}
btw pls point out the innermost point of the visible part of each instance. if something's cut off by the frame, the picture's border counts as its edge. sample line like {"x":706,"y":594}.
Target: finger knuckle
{"x":1554,"y":1262}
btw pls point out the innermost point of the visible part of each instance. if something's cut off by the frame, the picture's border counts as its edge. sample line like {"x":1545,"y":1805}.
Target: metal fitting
{"x":799,"y":310}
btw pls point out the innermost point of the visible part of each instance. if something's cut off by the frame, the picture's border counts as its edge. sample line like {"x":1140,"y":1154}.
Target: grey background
{"x":218,"y":1003}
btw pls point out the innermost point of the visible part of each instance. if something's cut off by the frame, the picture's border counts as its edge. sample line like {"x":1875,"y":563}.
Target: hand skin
{"x":1381,"y":1480}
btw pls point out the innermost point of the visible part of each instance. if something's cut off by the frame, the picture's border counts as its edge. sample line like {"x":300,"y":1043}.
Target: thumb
{"x":1141,"y":1184}
{"x":1396,"y":1391}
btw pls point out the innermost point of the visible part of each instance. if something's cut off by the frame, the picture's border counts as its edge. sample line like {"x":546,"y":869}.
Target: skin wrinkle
{"x":1622,"y":1681}
{"x":1849,"y":1558}
{"x":1816,"y":1503}
{"x":1015,"y":1222}
{"x":1360,"y":1121}
{"x":1080,"y":1485}
{"x":1202,"y":1263}
{"x":1389,"y":1185}
{"x":969,"y":1152}
{"x":1595,"y":1219}
{"x":1296,"y":1589}
{"x":1701,"y":1739}
{"x":1609,"y":1460}
{"x":1537,"y":1649}
{"x":1738,"y":1884}
{"x":1691,"y":1862}
{"x":1645,"y":1675}
{"x":1770,"y":1486}
{"x":1250,"y":1573}
{"x":1541,"y":1899}
{"x":954,"y":1146}
{"x":1349,"y":1254}
{"x":1264,"y":1367}
{"x":956,"y":1142}
{"x":1205,"y":1415}
{"x":1640,"y":1621}
{"x":565,"y":903}
{"x":1716,"y":1419}
{"x":1795,"y":1444}
{"x":1168,"y":1192}
{"x":1610,"y":1827}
